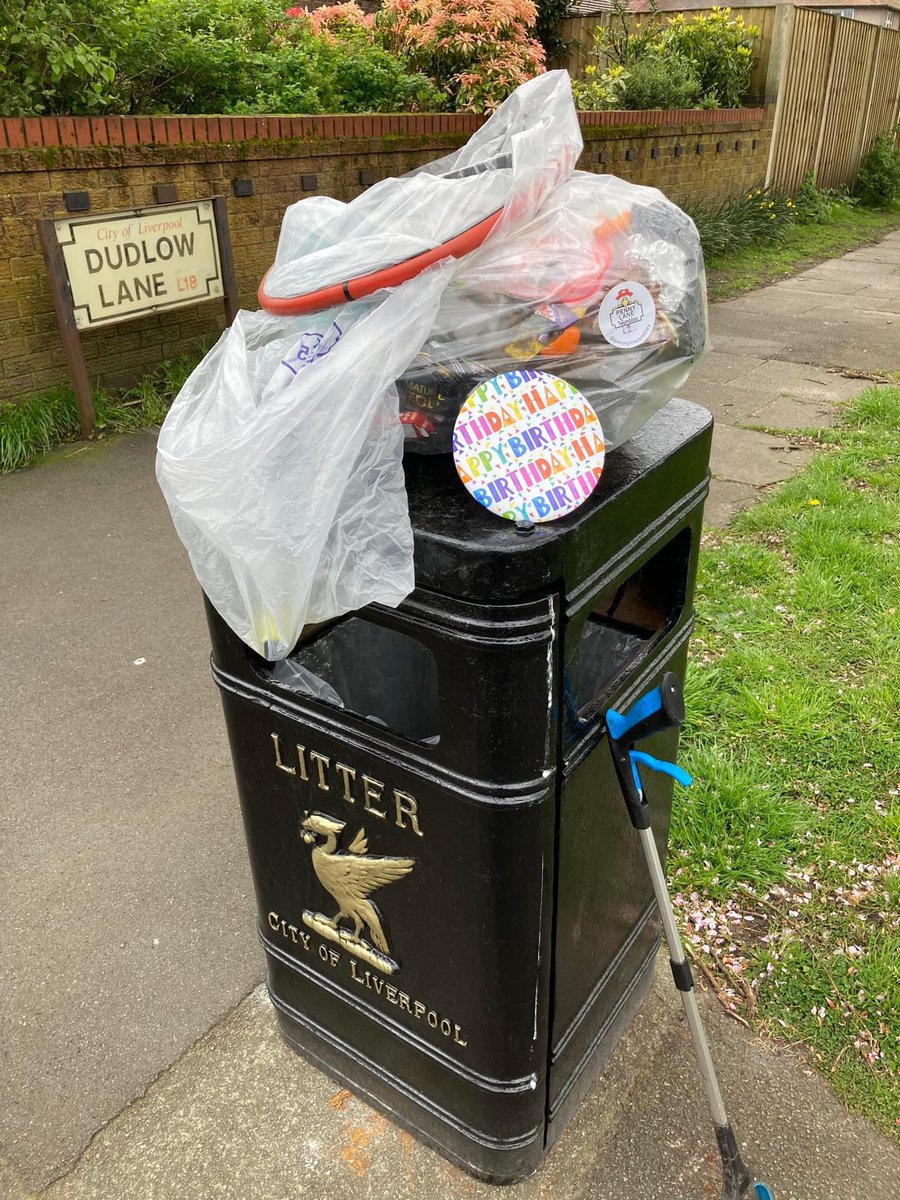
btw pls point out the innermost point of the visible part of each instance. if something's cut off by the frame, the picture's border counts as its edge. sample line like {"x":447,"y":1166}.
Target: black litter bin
{"x":454,"y":907}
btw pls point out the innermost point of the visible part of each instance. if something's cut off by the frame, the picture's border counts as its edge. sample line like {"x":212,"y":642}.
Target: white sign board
{"x":128,"y":264}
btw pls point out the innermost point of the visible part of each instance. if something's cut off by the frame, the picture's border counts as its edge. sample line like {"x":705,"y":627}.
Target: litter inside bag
{"x":535,"y":299}
{"x":282,"y":457}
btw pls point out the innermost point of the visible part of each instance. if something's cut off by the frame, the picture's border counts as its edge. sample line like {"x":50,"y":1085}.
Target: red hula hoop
{"x":364,"y":285}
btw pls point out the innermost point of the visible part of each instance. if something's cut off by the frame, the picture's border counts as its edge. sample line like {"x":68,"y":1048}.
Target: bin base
{"x":490,"y":1159}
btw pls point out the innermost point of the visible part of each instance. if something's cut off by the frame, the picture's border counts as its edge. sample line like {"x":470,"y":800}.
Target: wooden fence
{"x":839,"y":86}
{"x":834,"y":84}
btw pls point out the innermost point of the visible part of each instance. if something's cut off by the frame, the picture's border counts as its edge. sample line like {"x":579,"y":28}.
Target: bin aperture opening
{"x":385,"y":676}
{"x":624,"y":620}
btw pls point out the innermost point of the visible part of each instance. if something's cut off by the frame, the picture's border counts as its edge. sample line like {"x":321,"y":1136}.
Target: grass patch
{"x":786,"y":853}
{"x":34,"y":426}
{"x":801,"y":246}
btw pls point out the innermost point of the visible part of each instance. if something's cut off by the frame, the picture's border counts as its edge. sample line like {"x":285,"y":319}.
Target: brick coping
{"x":20,"y":133}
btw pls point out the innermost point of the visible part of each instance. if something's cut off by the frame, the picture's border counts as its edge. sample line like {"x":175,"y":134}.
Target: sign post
{"x":106,"y":268}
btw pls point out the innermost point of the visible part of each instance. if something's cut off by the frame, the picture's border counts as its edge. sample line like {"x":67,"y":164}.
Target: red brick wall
{"x":120,"y":160}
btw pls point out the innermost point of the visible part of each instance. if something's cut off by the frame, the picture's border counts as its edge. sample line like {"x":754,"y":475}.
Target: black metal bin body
{"x":460,"y":816}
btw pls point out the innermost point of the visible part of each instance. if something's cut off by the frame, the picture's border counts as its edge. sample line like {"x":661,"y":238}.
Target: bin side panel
{"x":607,"y":929}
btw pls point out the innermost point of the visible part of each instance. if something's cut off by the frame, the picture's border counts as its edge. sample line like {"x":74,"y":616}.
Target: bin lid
{"x":465,"y":551}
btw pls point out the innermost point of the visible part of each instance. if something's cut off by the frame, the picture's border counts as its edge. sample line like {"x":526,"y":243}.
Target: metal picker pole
{"x":661,"y":709}
{"x":681,"y":968}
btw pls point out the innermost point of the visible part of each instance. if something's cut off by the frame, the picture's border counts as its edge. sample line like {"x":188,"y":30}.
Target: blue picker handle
{"x":662,"y":708}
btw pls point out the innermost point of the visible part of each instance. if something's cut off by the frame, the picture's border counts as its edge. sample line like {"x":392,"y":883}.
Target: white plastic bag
{"x":512,"y":162}
{"x":282,"y":458}
{"x":291,"y":503}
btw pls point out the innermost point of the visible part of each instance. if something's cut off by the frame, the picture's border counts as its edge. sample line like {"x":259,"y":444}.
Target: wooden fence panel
{"x":884,"y":106}
{"x":801,"y":103}
{"x":837,"y":157}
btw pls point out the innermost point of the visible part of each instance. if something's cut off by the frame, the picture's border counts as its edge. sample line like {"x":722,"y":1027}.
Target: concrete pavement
{"x":125,"y":892}
{"x":776,"y":363}
{"x":136,"y":1058}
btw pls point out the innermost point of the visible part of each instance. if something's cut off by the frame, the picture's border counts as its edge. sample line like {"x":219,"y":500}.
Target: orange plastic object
{"x":566,"y":343}
{"x":364,"y":285}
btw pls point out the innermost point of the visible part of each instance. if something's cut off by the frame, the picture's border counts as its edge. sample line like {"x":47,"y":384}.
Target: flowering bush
{"x":763,"y":214}
{"x":705,"y":61}
{"x":476,"y":51}
{"x":338,"y":20}
{"x":718,"y":47}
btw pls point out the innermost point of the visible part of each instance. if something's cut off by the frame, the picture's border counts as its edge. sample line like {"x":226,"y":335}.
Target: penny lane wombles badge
{"x":627,"y":314}
{"x":350,"y":877}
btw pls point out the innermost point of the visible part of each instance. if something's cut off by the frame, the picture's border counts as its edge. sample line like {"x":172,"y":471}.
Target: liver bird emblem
{"x":350,"y":877}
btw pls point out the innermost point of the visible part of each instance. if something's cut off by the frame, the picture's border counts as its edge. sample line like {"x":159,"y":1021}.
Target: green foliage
{"x":53,"y":58}
{"x":719,"y":50}
{"x":656,"y":83}
{"x":784,"y":854}
{"x":600,"y":90}
{"x":766,"y":215}
{"x":37,"y":424}
{"x":703,"y":62}
{"x":878,"y":181}
{"x":733,"y":274}
{"x":207,"y":56}
{"x":761,"y":215}
{"x":548,"y":27}
{"x":819,"y":206}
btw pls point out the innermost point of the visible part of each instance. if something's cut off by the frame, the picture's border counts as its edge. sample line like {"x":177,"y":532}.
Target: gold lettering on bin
{"x":350,"y":877}
{"x":301,"y":759}
{"x":406,"y":806}
{"x":322,"y":761}
{"x":278,"y":763}
{"x":372,"y":789}
{"x":346,"y":773}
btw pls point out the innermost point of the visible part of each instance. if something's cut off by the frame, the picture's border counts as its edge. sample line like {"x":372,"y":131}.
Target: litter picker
{"x":660,"y":709}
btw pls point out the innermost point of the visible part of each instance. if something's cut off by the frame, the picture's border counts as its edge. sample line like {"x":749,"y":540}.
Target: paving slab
{"x":846,"y":267}
{"x":726,"y":499}
{"x":823,"y":284}
{"x":875,"y":299}
{"x":790,"y":413}
{"x":729,"y":403}
{"x":802,"y":381}
{"x":772,"y":301}
{"x":871,"y":341}
{"x":876,"y":254}
{"x":242,"y":1116}
{"x":735,"y":343}
{"x":127,"y":902}
{"x":745,"y":456}
{"x":720,"y":366}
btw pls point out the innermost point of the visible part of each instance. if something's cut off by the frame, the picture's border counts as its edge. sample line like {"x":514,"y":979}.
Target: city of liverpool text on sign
{"x":128,"y":264}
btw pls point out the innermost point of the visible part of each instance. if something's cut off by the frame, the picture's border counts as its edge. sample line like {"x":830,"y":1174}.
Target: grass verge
{"x":802,"y":246}
{"x":34,"y":426}
{"x":785,"y":852}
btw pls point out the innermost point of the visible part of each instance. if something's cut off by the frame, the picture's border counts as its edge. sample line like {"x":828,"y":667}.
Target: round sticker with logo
{"x":627,"y":314}
{"x":528,"y":446}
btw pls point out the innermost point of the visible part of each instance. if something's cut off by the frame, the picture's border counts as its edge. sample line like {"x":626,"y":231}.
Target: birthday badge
{"x":528,"y":446}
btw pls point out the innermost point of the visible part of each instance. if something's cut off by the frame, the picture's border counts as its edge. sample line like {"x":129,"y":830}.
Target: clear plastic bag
{"x":291,"y":500}
{"x":281,"y":459}
{"x":508,"y":166}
